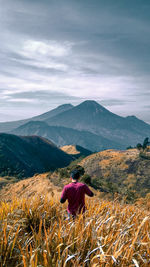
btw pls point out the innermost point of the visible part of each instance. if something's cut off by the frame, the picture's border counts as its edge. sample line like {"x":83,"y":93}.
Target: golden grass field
{"x":36,"y":232}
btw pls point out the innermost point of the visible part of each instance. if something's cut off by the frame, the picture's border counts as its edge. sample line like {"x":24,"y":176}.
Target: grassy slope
{"x":76,"y":151}
{"x":111,"y":171}
{"x":126,"y":169}
{"x":34,"y":230}
{"x":36,"y":185}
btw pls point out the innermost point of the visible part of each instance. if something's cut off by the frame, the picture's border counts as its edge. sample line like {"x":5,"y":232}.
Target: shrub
{"x":139,"y":146}
{"x":86,"y":179}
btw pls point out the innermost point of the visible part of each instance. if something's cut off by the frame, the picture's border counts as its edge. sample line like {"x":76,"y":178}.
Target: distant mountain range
{"x":25,"y":156}
{"x":88,"y":124}
{"x":66,"y":136}
{"x":8,"y":126}
{"x":91,"y":116}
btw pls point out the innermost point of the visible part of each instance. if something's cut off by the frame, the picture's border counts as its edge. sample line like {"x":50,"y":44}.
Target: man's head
{"x":75,"y":174}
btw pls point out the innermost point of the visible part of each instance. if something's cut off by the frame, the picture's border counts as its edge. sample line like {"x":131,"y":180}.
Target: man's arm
{"x":88,"y":191}
{"x":63,"y":196}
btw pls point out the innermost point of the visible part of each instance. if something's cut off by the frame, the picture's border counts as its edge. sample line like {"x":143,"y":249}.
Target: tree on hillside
{"x":139,"y":146}
{"x":129,"y":147}
{"x":145,"y":144}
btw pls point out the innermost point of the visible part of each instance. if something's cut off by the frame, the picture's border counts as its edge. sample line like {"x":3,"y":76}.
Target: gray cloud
{"x":115,"y":102}
{"x":73,"y":50}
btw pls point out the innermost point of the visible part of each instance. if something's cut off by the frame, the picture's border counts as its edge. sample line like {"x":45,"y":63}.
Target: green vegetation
{"x":145,"y":144}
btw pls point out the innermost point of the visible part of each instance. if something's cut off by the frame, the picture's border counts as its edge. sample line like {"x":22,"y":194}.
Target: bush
{"x":129,"y":147}
{"x":86,"y":179}
{"x":144,"y":156}
{"x":65,"y":172}
{"x":139,"y":146}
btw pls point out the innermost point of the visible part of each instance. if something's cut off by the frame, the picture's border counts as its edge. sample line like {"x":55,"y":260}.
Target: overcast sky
{"x":66,"y":51}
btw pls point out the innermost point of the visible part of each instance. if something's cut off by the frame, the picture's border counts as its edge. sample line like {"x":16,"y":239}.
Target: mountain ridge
{"x":9,"y":126}
{"x":101,"y":121}
{"x":66,"y":136}
{"x":89,"y":116}
{"x":27,"y":155}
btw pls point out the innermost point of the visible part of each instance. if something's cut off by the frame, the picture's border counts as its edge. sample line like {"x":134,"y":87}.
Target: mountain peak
{"x":92,"y":105}
{"x":90,"y":102}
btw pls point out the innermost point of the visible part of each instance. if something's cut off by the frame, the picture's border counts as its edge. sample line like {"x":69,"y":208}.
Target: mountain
{"x":25,"y":156}
{"x":66,"y":136}
{"x":76,"y":151}
{"x":53,"y":112}
{"x":9,"y":126}
{"x":88,"y":117}
{"x":91,"y":116}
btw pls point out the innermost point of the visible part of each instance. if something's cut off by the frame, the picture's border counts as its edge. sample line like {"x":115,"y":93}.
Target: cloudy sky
{"x":66,"y":51}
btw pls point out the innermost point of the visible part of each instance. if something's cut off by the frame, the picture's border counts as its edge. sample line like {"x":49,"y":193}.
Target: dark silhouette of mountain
{"x":91,"y":116}
{"x":66,"y":136}
{"x":9,"y":126}
{"x":76,"y":151}
{"x":25,"y":156}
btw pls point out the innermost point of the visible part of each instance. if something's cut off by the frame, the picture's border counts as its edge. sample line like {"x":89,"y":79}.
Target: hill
{"x":76,"y":151}
{"x":40,"y":184}
{"x":35,"y":230}
{"x":123,"y":171}
{"x":9,"y":126}
{"x":25,"y":156}
{"x":91,"y":116}
{"x":66,"y":136}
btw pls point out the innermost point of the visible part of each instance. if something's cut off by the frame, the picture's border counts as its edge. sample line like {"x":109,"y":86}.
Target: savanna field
{"x":36,"y":232}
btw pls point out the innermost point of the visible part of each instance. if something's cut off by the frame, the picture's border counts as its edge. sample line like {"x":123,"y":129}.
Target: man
{"x":75,"y":194}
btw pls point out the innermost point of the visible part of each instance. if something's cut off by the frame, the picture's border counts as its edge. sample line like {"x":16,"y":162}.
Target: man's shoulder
{"x":81,"y":184}
{"x":67,"y":185}
{"x":70,"y":185}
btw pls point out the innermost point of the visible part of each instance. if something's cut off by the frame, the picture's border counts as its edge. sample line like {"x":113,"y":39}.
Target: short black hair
{"x":75,"y":174}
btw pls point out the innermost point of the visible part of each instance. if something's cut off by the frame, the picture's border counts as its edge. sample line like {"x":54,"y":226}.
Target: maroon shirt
{"x":75,"y":194}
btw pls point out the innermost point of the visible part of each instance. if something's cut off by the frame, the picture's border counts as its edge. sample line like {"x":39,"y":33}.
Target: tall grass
{"x":36,"y":232}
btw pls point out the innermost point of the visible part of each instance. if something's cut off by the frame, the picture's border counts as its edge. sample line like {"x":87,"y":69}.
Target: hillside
{"x":35,"y":230}
{"x":40,"y":184}
{"x":66,"y":136}
{"x":25,"y":156}
{"x":128,"y":170}
{"x":76,"y":151}
{"x":91,"y":116}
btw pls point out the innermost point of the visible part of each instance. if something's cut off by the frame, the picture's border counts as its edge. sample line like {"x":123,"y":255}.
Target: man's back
{"x":75,"y":194}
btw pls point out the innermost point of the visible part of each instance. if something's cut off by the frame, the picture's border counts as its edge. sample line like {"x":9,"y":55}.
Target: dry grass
{"x":36,"y":232}
{"x":37,"y":185}
{"x":70,"y":149}
{"x":126,"y":169}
